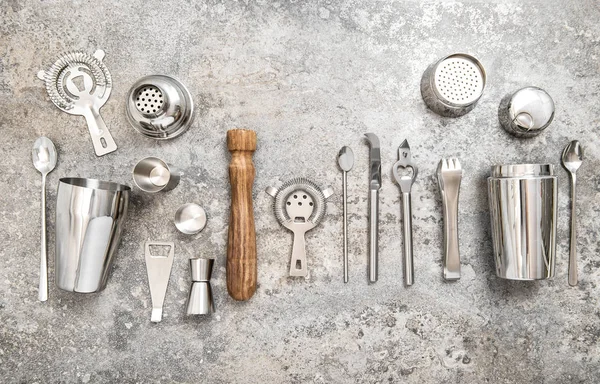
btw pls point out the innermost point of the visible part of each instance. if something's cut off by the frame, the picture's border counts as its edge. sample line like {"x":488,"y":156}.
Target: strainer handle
{"x":101,"y":138}
{"x":298,"y":267}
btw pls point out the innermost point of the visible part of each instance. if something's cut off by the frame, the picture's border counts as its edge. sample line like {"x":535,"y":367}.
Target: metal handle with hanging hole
{"x":298,"y":267}
{"x":101,"y":138}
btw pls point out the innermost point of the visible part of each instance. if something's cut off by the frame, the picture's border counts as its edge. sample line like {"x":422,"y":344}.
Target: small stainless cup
{"x":152,"y":175}
{"x":90,"y":215}
{"x":523,"y":199}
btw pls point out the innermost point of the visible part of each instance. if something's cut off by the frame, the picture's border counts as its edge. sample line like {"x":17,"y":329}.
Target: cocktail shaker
{"x":523,"y":200}
{"x":90,"y":216}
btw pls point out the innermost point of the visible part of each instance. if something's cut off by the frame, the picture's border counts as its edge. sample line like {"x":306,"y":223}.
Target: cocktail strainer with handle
{"x":299,"y":206}
{"x":79,"y":84}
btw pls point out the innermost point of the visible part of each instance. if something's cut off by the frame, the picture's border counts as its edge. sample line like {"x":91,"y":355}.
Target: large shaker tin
{"x":523,"y":200}
{"x":90,"y":216}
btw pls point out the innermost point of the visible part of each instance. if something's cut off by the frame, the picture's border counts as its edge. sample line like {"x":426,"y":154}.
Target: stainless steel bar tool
{"x":405,"y":182}
{"x":374,"y":186}
{"x":346,"y":162}
{"x":160,"y":107}
{"x":152,"y":175}
{"x":299,"y":206}
{"x":527,"y":112}
{"x":200,"y":300}
{"x":80,"y":84}
{"x":44,"y":160}
{"x":523,"y":199}
{"x":158,"y":266}
{"x":190,"y":219}
{"x":449,"y":174}
{"x":90,"y":217}
{"x":453,"y":85}
{"x":572,"y":158}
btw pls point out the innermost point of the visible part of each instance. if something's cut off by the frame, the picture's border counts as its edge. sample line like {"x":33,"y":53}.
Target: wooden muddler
{"x":241,"y":245}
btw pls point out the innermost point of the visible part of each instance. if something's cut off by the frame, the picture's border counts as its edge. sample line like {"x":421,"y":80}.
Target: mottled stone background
{"x":309,"y":77}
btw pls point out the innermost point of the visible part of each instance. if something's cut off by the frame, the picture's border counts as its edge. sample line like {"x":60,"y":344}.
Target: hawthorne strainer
{"x":452,"y":86}
{"x":79,"y":84}
{"x":299,"y":206}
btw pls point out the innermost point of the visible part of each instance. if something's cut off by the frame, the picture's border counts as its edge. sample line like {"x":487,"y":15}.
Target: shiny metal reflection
{"x":527,"y":112}
{"x":200,"y":300}
{"x":152,"y":175}
{"x":160,"y":107}
{"x":190,"y":219}
{"x":523,"y":201}
{"x":90,"y":215}
{"x":453,"y":85}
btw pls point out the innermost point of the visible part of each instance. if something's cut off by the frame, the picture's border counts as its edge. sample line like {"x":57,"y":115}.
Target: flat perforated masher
{"x":79,"y":84}
{"x":299,"y":206}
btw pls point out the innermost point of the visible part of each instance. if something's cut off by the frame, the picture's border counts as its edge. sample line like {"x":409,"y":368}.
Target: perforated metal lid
{"x":459,"y":79}
{"x":149,"y":99}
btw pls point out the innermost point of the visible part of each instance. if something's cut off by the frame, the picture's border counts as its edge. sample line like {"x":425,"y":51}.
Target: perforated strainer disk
{"x":149,"y":99}
{"x":459,"y":80}
{"x":160,"y":107}
{"x":452,"y":86}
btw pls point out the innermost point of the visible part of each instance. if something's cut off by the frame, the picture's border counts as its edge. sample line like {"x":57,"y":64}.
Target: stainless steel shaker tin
{"x":523,"y":201}
{"x":90,"y":215}
{"x":452,"y":86}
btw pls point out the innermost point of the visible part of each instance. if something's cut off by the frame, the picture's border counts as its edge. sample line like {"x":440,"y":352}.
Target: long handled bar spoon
{"x":346,"y":162}
{"x":44,"y":160}
{"x":572,"y":158}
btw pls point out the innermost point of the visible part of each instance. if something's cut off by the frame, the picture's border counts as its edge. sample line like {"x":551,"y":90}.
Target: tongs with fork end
{"x":449,"y":173}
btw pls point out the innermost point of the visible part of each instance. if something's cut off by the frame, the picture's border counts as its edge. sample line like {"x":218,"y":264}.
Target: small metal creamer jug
{"x":523,"y":201}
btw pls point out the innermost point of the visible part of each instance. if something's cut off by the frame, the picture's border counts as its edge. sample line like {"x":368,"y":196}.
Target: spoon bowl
{"x":44,"y":155}
{"x":572,"y":156}
{"x":346,"y":159}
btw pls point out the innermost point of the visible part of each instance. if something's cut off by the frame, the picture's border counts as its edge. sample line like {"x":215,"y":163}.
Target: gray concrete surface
{"x":309,"y":77}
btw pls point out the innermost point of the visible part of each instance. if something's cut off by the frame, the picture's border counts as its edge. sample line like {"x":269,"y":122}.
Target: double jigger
{"x":200,"y":301}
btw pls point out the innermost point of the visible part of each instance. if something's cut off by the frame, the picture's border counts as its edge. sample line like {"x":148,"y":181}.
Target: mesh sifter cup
{"x":452,"y":86}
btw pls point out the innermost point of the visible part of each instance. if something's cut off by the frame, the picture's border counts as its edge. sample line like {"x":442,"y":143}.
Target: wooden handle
{"x":241,"y":246}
